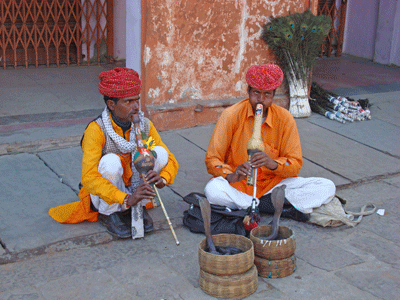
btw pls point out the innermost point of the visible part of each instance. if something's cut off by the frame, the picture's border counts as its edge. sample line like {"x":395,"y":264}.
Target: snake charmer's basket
{"x":228,"y":276}
{"x":274,"y":258}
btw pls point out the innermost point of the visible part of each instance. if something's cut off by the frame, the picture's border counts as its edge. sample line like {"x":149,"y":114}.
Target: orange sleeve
{"x":171,"y":169}
{"x":219,"y":146}
{"x":290,"y":159}
{"x":92,"y":145}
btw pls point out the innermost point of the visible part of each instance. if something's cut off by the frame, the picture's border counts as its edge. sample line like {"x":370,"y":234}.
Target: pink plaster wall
{"x":373,"y":30}
{"x":360,"y":31}
{"x":197,"y":53}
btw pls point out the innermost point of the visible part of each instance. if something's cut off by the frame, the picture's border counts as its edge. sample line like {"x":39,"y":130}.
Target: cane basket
{"x":281,"y":248}
{"x":229,"y":286}
{"x":227,"y":264}
{"x":275,"y":268}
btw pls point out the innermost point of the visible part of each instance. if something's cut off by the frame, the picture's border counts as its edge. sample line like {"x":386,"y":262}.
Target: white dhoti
{"x":110,"y":168}
{"x":303,"y":193}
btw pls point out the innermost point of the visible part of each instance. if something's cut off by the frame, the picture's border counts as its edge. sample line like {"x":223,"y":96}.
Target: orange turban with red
{"x":264,"y":77}
{"x":120,"y":83}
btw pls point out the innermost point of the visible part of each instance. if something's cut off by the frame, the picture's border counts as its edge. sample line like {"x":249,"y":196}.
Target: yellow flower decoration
{"x":149,"y":143}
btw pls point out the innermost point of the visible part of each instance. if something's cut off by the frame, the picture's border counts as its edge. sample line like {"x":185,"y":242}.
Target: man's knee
{"x":162,"y":158}
{"x":214,"y":185}
{"x":216,"y":189}
{"x":110,"y":165}
{"x":328,"y":185}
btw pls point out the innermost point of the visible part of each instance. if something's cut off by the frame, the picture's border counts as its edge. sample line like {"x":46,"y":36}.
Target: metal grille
{"x":336,"y":9}
{"x":54,"y":32}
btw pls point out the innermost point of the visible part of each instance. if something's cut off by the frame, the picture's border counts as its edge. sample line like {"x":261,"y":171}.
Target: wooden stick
{"x":164,"y":210}
{"x":166,"y":216}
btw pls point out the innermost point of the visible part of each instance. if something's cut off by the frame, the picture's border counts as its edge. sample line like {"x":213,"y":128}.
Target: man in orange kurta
{"x":227,"y":157}
{"x":111,"y":186}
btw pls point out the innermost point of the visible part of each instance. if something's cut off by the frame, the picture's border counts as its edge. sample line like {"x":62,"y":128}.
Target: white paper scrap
{"x":380,"y":212}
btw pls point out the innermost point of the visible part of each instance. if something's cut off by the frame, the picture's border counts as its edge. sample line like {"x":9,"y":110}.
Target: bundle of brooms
{"x":336,"y":107}
{"x":296,"y":41}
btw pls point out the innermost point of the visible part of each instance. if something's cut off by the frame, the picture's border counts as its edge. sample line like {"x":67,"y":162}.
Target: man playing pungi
{"x":227,"y":158}
{"x":112,"y":190}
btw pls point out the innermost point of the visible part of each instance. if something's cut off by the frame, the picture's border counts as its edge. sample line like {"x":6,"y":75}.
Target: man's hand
{"x":241,"y":172}
{"x":261,"y":159}
{"x":153,"y":177}
{"x":143,"y":191}
{"x":258,"y":159}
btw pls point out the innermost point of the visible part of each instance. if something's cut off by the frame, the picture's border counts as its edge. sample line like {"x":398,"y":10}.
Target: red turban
{"x":264,"y":77}
{"x":120,"y":83}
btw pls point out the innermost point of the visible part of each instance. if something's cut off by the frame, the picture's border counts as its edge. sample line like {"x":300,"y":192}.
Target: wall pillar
{"x":133,"y":35}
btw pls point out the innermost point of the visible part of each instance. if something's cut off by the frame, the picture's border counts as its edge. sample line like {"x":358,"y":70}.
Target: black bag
{"x":223,"y":219}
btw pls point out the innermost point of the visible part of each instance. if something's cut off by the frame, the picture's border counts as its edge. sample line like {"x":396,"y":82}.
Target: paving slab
{"x":329,"y":256}
{"x":395,"y":181}
{"x":199,"y":135}
{"x":374,"y":133}
{"x":78,"y":96}
{"x":359,"y":241}
{"x":34,"y":91}
{"x":25,"y":178}
{"x":174,"y":205}
{"x":386,"y":226}
{"x":62,"y":75}
{"x":349,"y":71}
{"x":311,"y":169}
{"x":40,"y":271}
{"x":377,"y":192}
{"x":184,"y":258}
{"x":16,"y":79}
{"x":91,"y":285}
{"x":382,"y":249}
{"x":66,"y":163}
{"x":308,"y":282}
{"x":333,"y":235}
{"x":192,"y":174}
{"x":266,"y":290}
{"x":377,"y":278}
{"x":342,"y":155}
{"x":39,"y":145}
{"x":170,"y":284}
{"x":26,"y":293}
{"x":22,"y":101}
{"x":385,"y":106}
{"x":353,"y":91}
{"x":46,"y":119}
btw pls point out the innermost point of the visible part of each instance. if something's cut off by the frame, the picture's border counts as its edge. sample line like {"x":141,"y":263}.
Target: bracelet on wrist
{"x":126,"y":200}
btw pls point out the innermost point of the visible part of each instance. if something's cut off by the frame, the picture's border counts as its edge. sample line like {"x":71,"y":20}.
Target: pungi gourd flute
{"x":144,"y":162}
{"x":254,"y":145}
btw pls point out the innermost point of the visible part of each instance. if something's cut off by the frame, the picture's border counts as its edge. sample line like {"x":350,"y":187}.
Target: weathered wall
{"x":196,"y":53}
{"x":360,"y":28}
{"x":373,"y":30}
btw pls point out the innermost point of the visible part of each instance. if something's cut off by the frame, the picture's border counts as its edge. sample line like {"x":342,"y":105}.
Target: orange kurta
{"x":92,"y":181}
{"x":228,"y":145}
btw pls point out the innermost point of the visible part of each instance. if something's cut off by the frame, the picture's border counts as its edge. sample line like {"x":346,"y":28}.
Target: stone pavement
{"x":43,"y":113}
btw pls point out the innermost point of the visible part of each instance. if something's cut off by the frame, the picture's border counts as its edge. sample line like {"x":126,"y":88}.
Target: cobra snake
{"x":277,"y":199}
